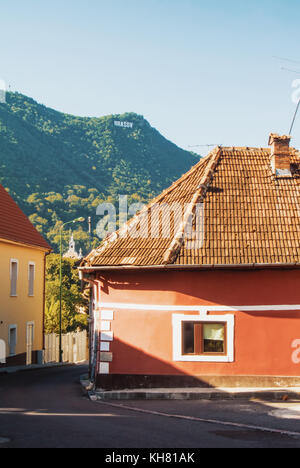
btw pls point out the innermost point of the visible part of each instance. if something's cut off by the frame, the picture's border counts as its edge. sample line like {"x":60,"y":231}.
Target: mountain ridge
{"x":58,"y":166}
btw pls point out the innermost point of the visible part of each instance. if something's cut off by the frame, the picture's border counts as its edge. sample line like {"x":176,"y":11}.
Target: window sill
{"x":203,"y":359}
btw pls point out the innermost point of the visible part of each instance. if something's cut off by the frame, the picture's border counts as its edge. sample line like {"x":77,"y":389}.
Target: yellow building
{"x":22,"y":278}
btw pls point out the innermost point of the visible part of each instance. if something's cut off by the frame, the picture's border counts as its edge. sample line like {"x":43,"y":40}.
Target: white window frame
{"x":12,"y":327}
{"x":15,"y":261}
{"x":178,"y":319}
{"x":31,"y":264}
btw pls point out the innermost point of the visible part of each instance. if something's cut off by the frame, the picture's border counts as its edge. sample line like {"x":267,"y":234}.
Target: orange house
{"x":217,"y":300}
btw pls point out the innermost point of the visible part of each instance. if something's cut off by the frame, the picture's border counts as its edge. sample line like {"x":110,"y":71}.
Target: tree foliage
{"x":74,"y":305}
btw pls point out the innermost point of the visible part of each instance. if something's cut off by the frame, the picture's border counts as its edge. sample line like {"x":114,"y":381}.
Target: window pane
{"x":31,"y":280}
{"x":12,"y":341}
{"x":188,"y":338}
{"x":214,"y":338}
{"x":14,"y":276}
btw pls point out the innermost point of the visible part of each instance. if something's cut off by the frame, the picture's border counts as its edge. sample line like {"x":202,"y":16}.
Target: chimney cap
{"x":274,"y":137}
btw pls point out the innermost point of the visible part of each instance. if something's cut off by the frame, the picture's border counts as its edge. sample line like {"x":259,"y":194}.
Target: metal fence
{"x":74,"y":345}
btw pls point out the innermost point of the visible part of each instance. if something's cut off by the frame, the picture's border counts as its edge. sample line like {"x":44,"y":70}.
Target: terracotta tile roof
{"x":250,"y":216}
{"x":15,"y":226}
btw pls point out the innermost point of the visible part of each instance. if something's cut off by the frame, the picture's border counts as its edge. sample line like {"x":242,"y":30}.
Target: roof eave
{"x":248,"y":266}
{"x":25,"y":244}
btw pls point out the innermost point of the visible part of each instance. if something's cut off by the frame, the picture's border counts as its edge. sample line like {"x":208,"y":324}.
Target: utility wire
{"x":202,"y":146}
{"x":286,"y":59}
{"x":290,"y":70}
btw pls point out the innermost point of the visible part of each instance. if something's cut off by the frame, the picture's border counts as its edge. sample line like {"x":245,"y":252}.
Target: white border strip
{"x":200,"y":309}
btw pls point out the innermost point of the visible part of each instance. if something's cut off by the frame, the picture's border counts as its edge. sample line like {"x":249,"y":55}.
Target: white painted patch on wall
{"x":107,"y":336}
{"x":105,"y":325}
{"x":107,"y":314}
{"x":106,"y":357}
{"x":104,"y":321}
{"x":104,"y":368}
{"x":104,"y":346}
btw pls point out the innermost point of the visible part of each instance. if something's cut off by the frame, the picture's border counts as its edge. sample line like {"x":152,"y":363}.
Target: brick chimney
{"x":280,"y":155}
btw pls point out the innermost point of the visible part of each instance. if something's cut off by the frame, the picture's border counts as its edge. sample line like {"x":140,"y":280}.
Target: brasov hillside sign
{"x":119,"y":123}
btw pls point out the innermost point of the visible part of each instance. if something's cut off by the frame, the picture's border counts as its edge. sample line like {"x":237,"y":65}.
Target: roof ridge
{"x":246,"y":148}
{"x":172,"y":252}
{"x":124,"y":229}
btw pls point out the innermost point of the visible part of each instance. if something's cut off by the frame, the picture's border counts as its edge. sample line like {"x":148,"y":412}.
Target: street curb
{"x":14,"y":370}
{"x":283,"y":395}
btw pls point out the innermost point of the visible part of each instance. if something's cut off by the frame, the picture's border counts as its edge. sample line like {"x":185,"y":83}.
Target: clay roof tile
{"x":15,"y":226}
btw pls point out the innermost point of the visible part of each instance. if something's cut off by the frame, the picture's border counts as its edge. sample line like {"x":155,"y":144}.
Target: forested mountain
{"x":59,"y":167}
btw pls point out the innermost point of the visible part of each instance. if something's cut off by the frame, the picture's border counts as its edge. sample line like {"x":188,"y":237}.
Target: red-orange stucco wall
{"x":143,"y":341}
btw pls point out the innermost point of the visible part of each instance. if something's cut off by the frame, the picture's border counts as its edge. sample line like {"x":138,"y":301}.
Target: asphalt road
{"x":47,"y":409}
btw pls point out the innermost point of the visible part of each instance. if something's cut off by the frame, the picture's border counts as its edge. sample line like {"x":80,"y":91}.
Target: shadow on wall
{"x":151,"y":372}
{"x":145,"y":371}
{"x":222,"y":287}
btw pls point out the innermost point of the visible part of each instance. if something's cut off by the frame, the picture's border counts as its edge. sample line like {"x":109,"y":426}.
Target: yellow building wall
{"x":21,"y":309}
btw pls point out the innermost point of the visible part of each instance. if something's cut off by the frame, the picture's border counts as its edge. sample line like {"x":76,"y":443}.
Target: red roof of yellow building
{"x":15,"y":226}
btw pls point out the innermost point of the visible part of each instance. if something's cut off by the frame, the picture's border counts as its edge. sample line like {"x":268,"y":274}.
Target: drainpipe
{"x":92,"y":321}
{"x":44,"y":298}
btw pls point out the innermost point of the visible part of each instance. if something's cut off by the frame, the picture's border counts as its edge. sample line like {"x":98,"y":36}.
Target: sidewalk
{"x":283,"y":394}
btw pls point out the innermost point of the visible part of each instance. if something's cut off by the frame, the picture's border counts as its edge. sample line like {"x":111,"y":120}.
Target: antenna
{"x":297,"y":72}
{"x":294,"y":119}
{"x":90,"y":232}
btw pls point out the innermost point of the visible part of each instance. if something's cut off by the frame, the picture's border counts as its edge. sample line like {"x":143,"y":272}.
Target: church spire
{"x":72,"y":253}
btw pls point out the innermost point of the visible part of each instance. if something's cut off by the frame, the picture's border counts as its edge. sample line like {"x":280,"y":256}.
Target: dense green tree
{"x":74,"y":305}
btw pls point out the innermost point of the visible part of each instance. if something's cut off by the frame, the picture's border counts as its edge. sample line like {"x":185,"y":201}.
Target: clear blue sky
{"x":201,"y":72}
